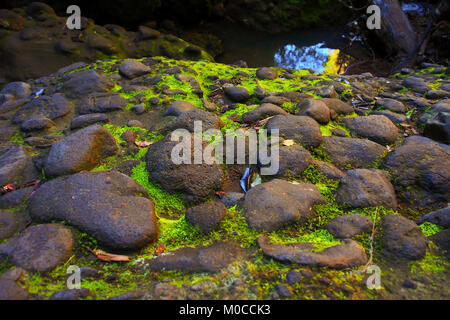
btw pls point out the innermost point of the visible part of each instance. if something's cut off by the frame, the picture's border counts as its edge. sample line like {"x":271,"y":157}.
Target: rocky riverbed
{"x":363,"y":180}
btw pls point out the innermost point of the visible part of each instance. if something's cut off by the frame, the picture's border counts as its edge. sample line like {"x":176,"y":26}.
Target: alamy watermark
{"x":74,"y":20}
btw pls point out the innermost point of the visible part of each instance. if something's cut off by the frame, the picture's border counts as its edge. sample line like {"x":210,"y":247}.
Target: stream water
{"x":300,"y":50}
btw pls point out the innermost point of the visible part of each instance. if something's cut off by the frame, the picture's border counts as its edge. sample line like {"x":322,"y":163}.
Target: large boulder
{"x":178,"y":107}
{"x":402,"y":238}
{"x":293,"y":160}
{"x":266,"y":73}
{"x":19,"y":90}
{"x":186,"y":120}
{"x":101,"y":102}
{"x":348,"y":226}
{"x":39,"y":248}
{"x":362,"y":188}
{"x":132,"y":68}
{"x":107,"y":205}
{"x":278,"y":203}
{"x":13,"y":162}
{"x":200,"y":259}
{"x":83,"y":83}
{"x":419,"y":168}
{"x":359,"y":153}
{"x":347,"y":255}
{"x":302,"y":129}
{"x":263,"y":111}
{"x":195,"y":182}
{"x":51,"y":107}
{"x":12,"y":222}
{"x":206,"y":216}
{"x":376,"y":128}
{"x":340,"y":107}
{"x":237,"y":94}
{"x":315,"y":109}
{"x":82,"y":150}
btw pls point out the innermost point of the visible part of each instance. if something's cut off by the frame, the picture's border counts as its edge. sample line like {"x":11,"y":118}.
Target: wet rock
{"x":178,"y":107}
{"x":138,"y":109}
{"x":442,"y":240}
{"x":87,"y":120}
{"x":443,"y":106}
{"x":376,"y":128}
{"x":83,"y":83}
{"x":186,"y":120}
{"x":231,"y":199}
{"x":440,"y":217}
{"x":71,"y":294}
{"x":196,"y":182}
{"x":340,"y":107}
{"x":438,"y":128}
{"x":328,"y":170}
{"x":303,"y":130}
{"x":266,"y":73}
{"x":206,"y":216}
{"x":437,"y":94}
{"x":130,"y":295}
{"x":36,"y":124}
{"x":293,"y":277}
{"x":278,"y":203}
{"x":10,"y":290}
{"x":88,"y":272}
{"x":263,"y":111}
{"x":402,"y":238}
{"x":363,"y":188}
{"x":237,"y":94}
{"x":394,"y":117}
{"x":51,"y":107}
{"x":165,"y":291}
{"x":391,"y":104}
{"x":39,"y":248}
{"x":12,"y":222}
{"x":326,"y":92}
{"x":315,"y":109}
{"x":416,"y":84}
{"x":82,"y":150}
{"x":12,"y":20}
{"x":19,"y":90}
{"x":101,"y":102}
{"x":146,"y":33}
{"x":293,"y":160}
{"x":40,"y":11}
{"x":408,"y":284}
{"x":132,"y":68}
{"x":135,"y":123}
{"x":13,"y":162}
{"x":419,"y":169}
{"x":283,"y":290}
{"x":357,"y":153}
{"x":347,"y":255}
{"x":200,"y":259}
{"x":105,"y":205}
{"x":15,"y":198}
{"x":348,"y":226}
{"x":277,"y":100}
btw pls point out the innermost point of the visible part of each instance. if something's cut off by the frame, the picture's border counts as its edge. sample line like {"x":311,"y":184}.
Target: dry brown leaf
{"x":288,"y":143}
{"x":143,"y":144}
{"x":108,"y":257}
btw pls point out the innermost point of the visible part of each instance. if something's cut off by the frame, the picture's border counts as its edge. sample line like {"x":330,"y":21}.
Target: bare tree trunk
{"x":396,"y":35}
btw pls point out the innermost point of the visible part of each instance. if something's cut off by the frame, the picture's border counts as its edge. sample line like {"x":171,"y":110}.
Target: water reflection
{"x":313,"y":57}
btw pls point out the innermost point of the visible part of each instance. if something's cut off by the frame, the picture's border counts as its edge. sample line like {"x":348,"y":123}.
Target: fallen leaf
{"x":160,"y":249}
{"x":288,"y":143}
{"x":143,"y":144}
{"x":108,"y":257}
{"x":234,"y":119}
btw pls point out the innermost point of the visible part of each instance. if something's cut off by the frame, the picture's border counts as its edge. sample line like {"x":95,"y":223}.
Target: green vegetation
{"x":430,"y":229}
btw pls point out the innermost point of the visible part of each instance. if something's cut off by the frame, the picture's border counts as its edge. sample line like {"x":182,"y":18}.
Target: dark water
{"x":299,"y":50}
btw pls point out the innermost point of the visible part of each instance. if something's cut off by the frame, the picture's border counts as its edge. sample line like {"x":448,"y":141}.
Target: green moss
{"x":431,"y":263}
{"x":430,"y":229}
{"x":164,"y":201}
{"x":332,"y":125}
